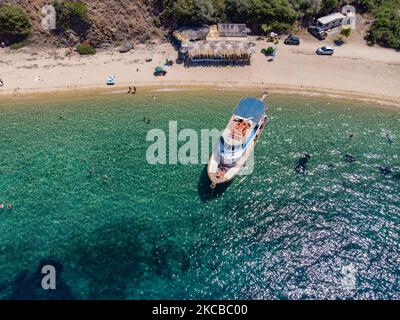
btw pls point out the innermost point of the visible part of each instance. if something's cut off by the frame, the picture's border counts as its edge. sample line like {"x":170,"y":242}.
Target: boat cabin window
{"x":233,"y":147}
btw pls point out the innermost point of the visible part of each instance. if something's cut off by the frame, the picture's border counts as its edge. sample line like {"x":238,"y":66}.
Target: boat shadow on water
{"x":204,"y":187}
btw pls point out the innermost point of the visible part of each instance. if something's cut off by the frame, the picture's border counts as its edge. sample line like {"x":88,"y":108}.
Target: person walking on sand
{"x":1,"y":83}
{"x":134,"y":90}
{"x":130,"y":90}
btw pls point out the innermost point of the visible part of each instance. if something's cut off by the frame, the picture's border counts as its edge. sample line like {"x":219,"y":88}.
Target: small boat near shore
{"x":237,"y":140}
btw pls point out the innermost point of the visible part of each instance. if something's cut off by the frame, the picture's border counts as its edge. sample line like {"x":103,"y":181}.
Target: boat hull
{"x":230,"y":173}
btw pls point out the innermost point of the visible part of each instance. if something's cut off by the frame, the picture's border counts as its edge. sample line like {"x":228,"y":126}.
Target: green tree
{"x":308,"y":10}
{"x":385,"y":29}
{"x":194,"y":12}
{"x":72,"y":15}
{"x":14,"y":23}
{"x":183,"y":11}
{"x":328,"y":6}
{"x":276,"y":15}
{"x":239,"y":10}
{"x":345,"y":32}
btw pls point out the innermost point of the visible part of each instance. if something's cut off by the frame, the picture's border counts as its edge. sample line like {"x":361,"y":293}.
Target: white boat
{"x":237,"y":140}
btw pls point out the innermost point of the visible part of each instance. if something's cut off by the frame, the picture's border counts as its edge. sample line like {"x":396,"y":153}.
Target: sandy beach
{"x":355,"y":70}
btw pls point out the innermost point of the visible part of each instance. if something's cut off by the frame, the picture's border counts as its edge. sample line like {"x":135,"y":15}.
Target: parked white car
{"x":325,"y":51}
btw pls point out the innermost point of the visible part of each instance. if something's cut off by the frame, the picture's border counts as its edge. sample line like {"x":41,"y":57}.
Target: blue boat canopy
{"x":250,"y":108}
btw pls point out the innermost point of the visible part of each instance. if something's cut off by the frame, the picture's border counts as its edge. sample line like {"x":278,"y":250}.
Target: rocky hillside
{"x":111,"y":21}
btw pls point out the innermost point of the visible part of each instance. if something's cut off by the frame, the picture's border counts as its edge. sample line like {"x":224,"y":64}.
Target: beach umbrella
{"x":158,"y":69}
{"x":111,"y":80}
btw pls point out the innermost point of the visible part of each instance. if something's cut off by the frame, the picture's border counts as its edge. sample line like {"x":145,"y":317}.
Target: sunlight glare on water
{"x":85,"y":199}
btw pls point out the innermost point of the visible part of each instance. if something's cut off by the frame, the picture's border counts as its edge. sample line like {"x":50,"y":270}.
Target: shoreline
{"x":285,"y":90}
{"x":355,"y":72}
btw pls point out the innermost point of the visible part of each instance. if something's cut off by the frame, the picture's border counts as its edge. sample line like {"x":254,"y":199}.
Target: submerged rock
{"x":396,"y":176}
{"x":388,"y":138}
{"x":349,"y":158}
{"x":301,"y":163}
{"x":385,"y":170}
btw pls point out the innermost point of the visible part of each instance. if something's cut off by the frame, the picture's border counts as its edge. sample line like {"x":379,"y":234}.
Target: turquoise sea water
{"x":86,"y":201}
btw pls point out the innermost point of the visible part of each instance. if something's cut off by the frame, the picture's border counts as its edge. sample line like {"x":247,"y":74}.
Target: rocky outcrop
{"x":111,"y":21}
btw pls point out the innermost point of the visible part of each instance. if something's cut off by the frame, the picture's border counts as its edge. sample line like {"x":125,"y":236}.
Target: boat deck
{"x":237,"y":130}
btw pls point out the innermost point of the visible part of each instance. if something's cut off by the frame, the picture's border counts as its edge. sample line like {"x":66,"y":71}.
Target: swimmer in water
{"x":90,"y":172}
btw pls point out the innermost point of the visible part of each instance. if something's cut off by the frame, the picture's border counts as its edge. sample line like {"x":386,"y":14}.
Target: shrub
{"x":275,"y":26}
{"x":280,"y":15}
{"x":75,"y":10}
{"x":328,"y":6}
{"x":253,"y":12}
{"x":268,"y":51}
{"x":72,"y":15}
{"x":157,"y":22}
{"x":20,"y":45}
{"x":345,"y":32}
{"x":385,"y":29}
{"x":85,"y":49}
{"x":14,"y":22}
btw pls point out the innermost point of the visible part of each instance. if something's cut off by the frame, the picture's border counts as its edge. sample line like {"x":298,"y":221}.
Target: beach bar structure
{"x":217,"y":51}
{"x":331,"y":21}
{"x":222,"y":43}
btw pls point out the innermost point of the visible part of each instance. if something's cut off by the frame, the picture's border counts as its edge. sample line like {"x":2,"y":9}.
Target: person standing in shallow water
{"x":133,"y":91}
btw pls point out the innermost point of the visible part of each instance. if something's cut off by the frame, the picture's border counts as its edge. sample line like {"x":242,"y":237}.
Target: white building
{"x":331,"y":21}
{"x":350,"y":16}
